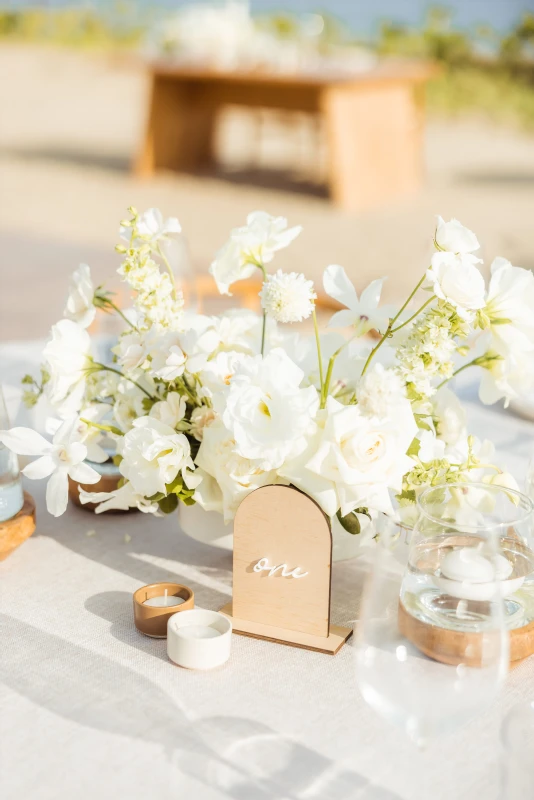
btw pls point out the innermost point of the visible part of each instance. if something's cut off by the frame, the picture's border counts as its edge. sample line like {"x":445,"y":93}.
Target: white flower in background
{"x":101,"y":386}
{"x":354,"y":459}
{"x":348,"y":365}
{"x":60,"y":459}
{"x":457,"y":279}
{"x":198,"y":345}
{"x":79,"y":307}
{"x":361,"y":314}
{"x":249,"y":246}
{"x":132,"y":350}
{"x":454,"y":237}
{"x":200,"y":419}
{"x":266,"y":411}
{"x":152,"y":227}
{"x":219,"y":371}
{"x":152,"y":456}
{"x":288,"y":296}
{"x":504,"y":479}
{"x":239,"y":329}
{"x":380,"y":391}
{"x":128,"y":405}
{"x":119,"y":500}
{"x":227,"y":477}
{"x":508,"y":375}
{"x":170,"y":411}
{"x":450,"y":417}
{"x":510,"y":304}
{"x":68,"y":359}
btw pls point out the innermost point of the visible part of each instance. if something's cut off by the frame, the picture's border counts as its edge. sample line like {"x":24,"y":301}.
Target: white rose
{"x":266,"y":410}
{"x":457,"y":280}
{"x":227,"y":477}
{"x":454,"y":237}
{"x":79,"y":307}
{"x":152,"y":456}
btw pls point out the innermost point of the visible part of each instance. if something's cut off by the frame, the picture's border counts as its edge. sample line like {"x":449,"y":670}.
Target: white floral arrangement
{"x":205,"y":409}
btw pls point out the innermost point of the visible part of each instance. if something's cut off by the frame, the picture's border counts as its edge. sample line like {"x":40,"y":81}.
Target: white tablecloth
{"x":90,"y":708}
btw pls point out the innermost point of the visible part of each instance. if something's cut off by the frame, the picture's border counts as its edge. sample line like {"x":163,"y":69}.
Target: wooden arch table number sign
{"x":282,"y":571}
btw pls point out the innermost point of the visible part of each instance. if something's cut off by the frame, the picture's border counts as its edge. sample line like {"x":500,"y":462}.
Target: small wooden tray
{"x":457,"y":647}
{"x":16,"y":530}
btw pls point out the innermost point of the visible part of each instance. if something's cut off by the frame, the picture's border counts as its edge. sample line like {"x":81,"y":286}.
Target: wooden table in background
{"x":373,"y":120}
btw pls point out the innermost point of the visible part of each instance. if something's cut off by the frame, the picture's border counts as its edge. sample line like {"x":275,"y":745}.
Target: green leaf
{"x":350,"y":522}
{"x":175,"y":486}
{"x":155,"y":498}
{"x":28,"y":380}
{"x":168,"y":504}
{"x":500,"y":321}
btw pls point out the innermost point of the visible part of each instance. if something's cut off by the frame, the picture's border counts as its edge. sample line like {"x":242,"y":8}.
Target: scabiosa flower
{"x":287,"y":296}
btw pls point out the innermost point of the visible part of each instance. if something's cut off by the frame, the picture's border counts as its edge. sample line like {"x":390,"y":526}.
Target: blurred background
{"x":76,"y":82}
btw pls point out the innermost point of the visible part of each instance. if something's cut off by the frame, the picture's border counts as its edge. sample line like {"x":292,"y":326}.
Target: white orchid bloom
{"x":249,"y":246}
{"x":119,"y":500}
{"x":79,"y":307}
{"x":153,"y":228}
{"x":60,"y":459}
{"x":361,"y":314}
{"x":84,"y":432}
{"x":68,"y":359}
{"x":510,"y":305}
{"x":454,"y":237}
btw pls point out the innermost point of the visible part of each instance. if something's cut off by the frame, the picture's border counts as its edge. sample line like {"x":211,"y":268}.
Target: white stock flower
{"x":251,"y":245}
{"x":353,"y":460}
{"x":266,"y":410}
{"x":121,"y":499}
{"x":379,"y":391}
{"x":201,"y":418}
{"x":361,"y":314}
{"x":152,"y":227}
{"x":510,"y":304}
{"x":457,"y":279}
{"x":152,"y":456}
{"x":79,"y":307}
{"x":453,"y":237}
{"x":60,"y":459}
{"x":227,"y":477}
{"x":170,"y":411}
{"x":288,"y":296}
{"x":67,"y":357}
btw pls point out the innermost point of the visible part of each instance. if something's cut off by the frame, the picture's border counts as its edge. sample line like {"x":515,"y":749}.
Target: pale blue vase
{"x":11,"y":493}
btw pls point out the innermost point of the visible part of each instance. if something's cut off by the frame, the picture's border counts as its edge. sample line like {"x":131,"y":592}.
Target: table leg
{"x":375,"y":143}
{"x":180,"y":128}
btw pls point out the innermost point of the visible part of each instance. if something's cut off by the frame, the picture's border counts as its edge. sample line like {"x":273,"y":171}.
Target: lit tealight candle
{"x":163,"y":601}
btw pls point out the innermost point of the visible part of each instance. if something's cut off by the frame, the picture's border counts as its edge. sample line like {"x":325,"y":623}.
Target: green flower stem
{"x":122,"y":375}
{"x":389,"y":328}
{"x":319,"y":354}
{"x":264,"y":323}
{"x":107,"y":428}
{"x":169,"y":269}
{"x":119,"y":312}
{"x":411,"y":319}
{"x":330,"y":369}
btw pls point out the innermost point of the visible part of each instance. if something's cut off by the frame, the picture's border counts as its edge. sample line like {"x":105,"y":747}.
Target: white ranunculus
{"x":79,"y":307}
{"x":362,"y":458}
{"x":510,"y":375}
{"x":227,"y":477}
{"x":361,"y":313}
{"x":152,"y":227}
{"x":152,"y":456}
{"x":450,"y":417}
{"x":453,"y":237}
{"x":266,"y":410}
{"x":249,"y":246}
{"x":510,"y":305}
{"x":170,"y":411}
{"x":60,"y":459}
{"x":288,"y":297}
{"x":120,"y":499}
{"x":379,"y":391}
{"x":67,"y":356}
{"x":457,"y":279}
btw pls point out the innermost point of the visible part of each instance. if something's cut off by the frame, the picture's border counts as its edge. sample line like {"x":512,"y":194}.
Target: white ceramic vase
{"x":208,"y":527}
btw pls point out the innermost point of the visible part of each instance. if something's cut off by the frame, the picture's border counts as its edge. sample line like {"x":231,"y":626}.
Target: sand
{"x":71,"y":123}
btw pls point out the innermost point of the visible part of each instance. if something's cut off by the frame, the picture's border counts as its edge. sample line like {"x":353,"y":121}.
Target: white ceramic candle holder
{"x":199,"y":639}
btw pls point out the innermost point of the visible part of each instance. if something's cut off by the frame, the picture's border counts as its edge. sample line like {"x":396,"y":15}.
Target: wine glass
{"x":432,"y":647}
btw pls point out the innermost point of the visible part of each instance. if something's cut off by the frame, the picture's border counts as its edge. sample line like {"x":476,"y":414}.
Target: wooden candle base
{"x":450,"y":647}
{"x":107,"y":483}
{"x":322,"y":644}
{"x":16,"y":530}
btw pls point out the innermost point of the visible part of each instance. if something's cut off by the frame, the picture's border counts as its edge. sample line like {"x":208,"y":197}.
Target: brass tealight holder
{"x":171,"y":598}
